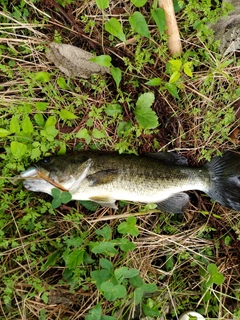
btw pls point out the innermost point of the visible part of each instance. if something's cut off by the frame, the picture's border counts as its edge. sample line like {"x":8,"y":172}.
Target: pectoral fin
{"x":177,"y":203}
{"x":102,"y":177}
{"x":104,"y":201}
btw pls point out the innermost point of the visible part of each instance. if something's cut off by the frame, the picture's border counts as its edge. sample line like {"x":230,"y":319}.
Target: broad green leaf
{"x":145,"y":116}
{"x":67,"y":115}
{"x":149,"y":287}
{"x":50,"y":133}
{"x":62,"y":83}
{"x":102,"y":4}
{"x":106,"y":264}
{"x":129,"y":227}
{"x":95,"y":313}
{"x":42,"y":76}
{"x":4,"y":133}
{"x":126,"y":245}
{"x":41,"y":106}
{"x":138,"y":294}
{"x":136,"y":281}
{"x":18,"y":149}
{"x":66,"y":196}
{"x":154,"y":82}
{"x":105,"y":232}
{"x":51,"y":121}
{"x":39,"y":119}
{"x":172,"y":89}
{"x":159,"y":17}
{"x":176,"y":64}
{"x":27,"y":125}
{"x":112,"y":292}
{"x":145,"y":99}
{"x":124,"y":272}
{"x":97,"y":134}
{"x":51,"y":260}
{"x":216,"y":276}
{"x":187,"y":69}
{"x":44,"y":297}
{"x":56,"y":193}
{"x":75,"y":258}
{"x":14,"y":125}
{"x":104,"y":60}
{"x":100,"y":276}
{"x":174,"y":77}
{"x":117,"y":75}
{"x":103,"y":247}
{"x":92,"y":206}
{"x":84,"y":134}
{"x":139,"y":24}
{"x":113,"y":26}
{"x":177,"y":6}
{"x":56,"y":202}
{"x":113,"y":109}
{"x":139,"y":3}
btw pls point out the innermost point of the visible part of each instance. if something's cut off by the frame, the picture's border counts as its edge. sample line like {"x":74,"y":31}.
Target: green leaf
{"x":138,"y":294}
{"x":42,"y":76}
{"x":139,"y":24}
{"x":174,"y":77}
{"x":136,"y":281}
{"x":4,"y":133}
{"x":103,"y":247}
{"x":117,"y":75}
{"x":67,"y":115}
{"x":95,"y":313}
{"x":75,"y":258}
{"x":39,"y":119}
{"x":154,"y":82}
{"x":102,"y":4}
{"x":104,"y":60}
{"x":51,"y":121}
{"x":111,"y":292}
{"x":18,"y":149}
{"x":92,"y":206}
{"x":105,"y":232}
{"x":128,"y":227}
{"x":126,"y":245}
{"x":216,"y":276}
{"x":145,"y":116}
{"x":44,"y":297}
{"x":172,"y":89}
{"x":149,"y":287}
{"x":62,"y":83}
{"x":187,"y":69}
{"x":124,"y":272}
{"x":106,"y":264}
{"x":14,"y":125}
{"x":41,"y":106}
{"x":51,"y":260}
{"x":56,"y":193}
{"x":27,"y":125}
{"x":66,"y":196}
{"x":84,"y":134}
{"x":139,"y":3}
{"x":113,"y":26}
{"x":176,"y":64}
{"x":159,"y":17}
{"x":97,"y":134}
{"x":113,"y":109}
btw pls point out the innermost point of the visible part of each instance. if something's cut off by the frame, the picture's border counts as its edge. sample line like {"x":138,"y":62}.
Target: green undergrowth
{"x":85,"y":260}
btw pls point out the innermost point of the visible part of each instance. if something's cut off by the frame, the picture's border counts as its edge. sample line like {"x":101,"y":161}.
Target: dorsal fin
{"x":169,"y":158}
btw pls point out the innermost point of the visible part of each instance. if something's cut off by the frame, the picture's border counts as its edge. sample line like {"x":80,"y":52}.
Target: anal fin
{"x":177,"y":203}
{"x":104,"y":201}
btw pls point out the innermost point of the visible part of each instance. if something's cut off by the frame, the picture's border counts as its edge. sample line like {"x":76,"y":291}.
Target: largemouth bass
{"x":159,"y":178}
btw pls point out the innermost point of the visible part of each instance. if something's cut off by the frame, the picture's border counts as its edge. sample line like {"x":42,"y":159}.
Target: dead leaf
{"x":73,"y":61}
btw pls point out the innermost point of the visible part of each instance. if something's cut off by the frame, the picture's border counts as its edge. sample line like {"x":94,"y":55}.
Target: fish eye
{"x":47,"y":160}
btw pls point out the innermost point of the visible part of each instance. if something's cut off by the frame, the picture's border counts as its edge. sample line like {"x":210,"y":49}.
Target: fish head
{"x":62,"y":172}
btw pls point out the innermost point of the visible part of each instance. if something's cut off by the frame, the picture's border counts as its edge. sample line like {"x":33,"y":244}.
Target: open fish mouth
{"x":34,"y":174}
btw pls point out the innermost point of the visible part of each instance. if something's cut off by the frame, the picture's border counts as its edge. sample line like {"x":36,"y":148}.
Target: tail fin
{"x":225,"y":179}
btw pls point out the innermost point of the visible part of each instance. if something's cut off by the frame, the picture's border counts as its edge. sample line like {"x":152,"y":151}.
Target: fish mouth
{"x":35,"y":179}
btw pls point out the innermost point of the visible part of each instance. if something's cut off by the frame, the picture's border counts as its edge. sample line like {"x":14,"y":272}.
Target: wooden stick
{"x":174,"y":43}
